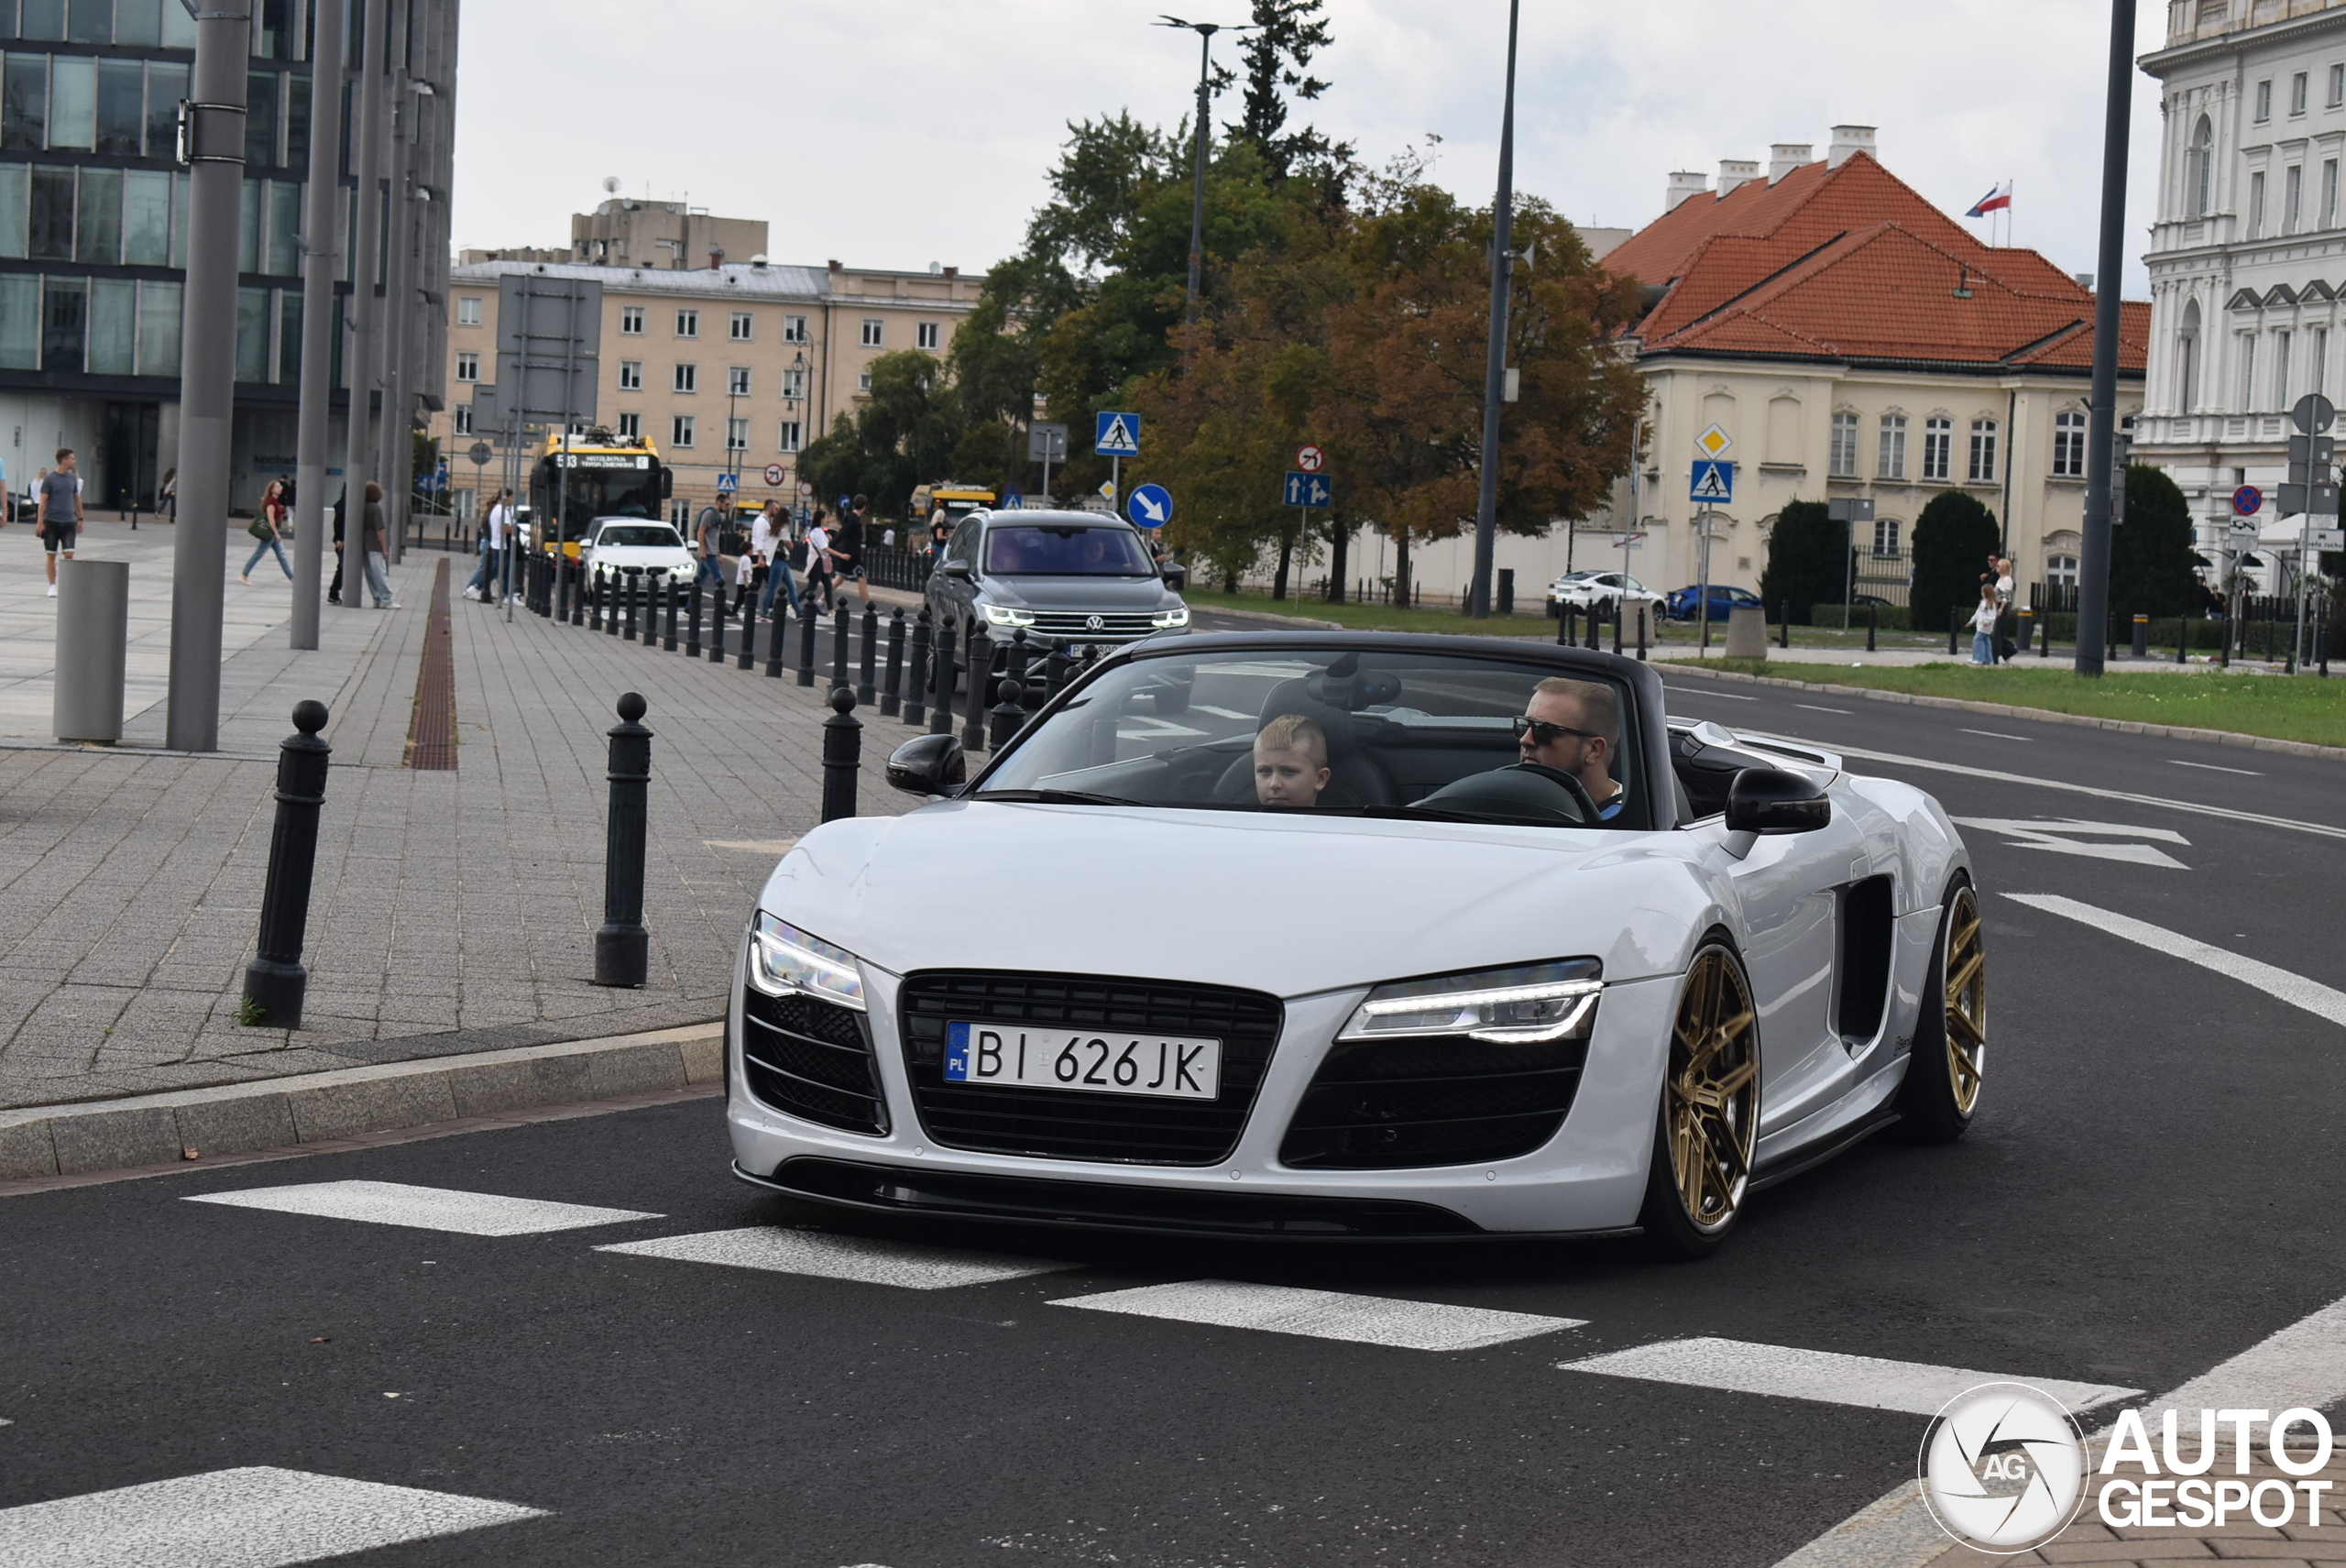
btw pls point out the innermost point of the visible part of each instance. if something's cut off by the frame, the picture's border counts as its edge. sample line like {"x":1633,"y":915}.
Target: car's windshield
{"x":1436,"y":737}
{"x":639,"y":533}
{"x":1065,"y":549}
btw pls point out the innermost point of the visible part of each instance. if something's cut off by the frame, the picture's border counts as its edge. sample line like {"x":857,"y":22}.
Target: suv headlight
{"x":1002,"y":615}
{"x":784,"y":961}
{"x":1522,"y":1005}
{"x":1166,"y":619}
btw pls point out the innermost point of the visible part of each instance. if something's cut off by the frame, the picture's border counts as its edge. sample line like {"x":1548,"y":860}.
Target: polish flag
{"x":1994,"y":200}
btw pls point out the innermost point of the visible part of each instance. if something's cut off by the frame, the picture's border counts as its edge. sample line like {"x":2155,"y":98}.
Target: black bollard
{"x":940,"y":682}
{"x":1618,"y":605}
{"x":777,"y":637}
{"x":2183,"y":640}
{"x":595,"y":601}
{"x":621,"y":944}
{"x":866,"y":672}
{"x":2142,"y":637}
{"x":842,"y":746}
{"x":561,"y":588}
{"x":1008,"y":712}
{"x":275,"y":981}
{"x":916,"y":710}
{"x":973,"y":702}
{"x":716,"y":623}
{"x":1954,"y":625}
{"x":1057,"y":666}
{"x":1564,"y":626}
{"x":748,"y":660}
{"x":1783,"y":623}
{"x":807,"y":617}
{"x":668,"y":592}
{"x":1591,"y":618}
{"x":842,"y":644}
{"x":692,"y":619}
{"x":577,"y":593}
{"x":1873,"y":625}
{"x":891,"y":692}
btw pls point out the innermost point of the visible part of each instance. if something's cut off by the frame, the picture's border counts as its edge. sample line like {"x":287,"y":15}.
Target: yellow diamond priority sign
{"x":1714,"y":441}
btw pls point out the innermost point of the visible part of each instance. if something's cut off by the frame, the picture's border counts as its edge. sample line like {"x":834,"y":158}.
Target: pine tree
{"x":1278,"y":53}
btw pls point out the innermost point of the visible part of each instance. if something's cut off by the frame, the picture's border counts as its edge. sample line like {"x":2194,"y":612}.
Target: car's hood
{"x":1079,"y":593}
{"x":1288,"y":905}
{"x":641,"y":555}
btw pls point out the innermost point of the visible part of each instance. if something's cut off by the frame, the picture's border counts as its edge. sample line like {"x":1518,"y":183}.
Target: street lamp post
{"x":1205,"y":31}
{"x":2102,"y":428}
{"x":1486,"y":504}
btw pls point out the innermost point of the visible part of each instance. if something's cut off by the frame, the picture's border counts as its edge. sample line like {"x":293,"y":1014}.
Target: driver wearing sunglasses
{"x":1574,"y":726}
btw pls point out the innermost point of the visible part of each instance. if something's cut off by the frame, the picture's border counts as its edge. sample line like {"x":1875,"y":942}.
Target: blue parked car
{"x":1723,"y":599}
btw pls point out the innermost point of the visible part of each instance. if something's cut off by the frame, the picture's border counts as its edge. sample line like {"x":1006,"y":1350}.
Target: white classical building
{"x":2248,"y":254}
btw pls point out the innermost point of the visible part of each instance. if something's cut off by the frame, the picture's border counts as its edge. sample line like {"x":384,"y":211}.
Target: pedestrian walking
{"x":334,"y":588}
{"x":819,"y":576}
{"x":2000,"y":568}
{"x":57,"y":502}
{"x":483,"y":585}
{"x":848,"y":542}
{"x":709,"y":546}
{"x":776,"y":532}
{"x":166,"y":498}
{"x":376,"y":542}
{"x":268,"y":526}
{"x":1983,"y":624}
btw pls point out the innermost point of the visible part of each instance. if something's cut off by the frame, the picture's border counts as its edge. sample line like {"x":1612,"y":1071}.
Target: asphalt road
{"x":2147,"y":1191}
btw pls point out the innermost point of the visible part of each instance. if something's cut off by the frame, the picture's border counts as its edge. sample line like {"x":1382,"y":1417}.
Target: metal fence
{"x":1884,"y":575}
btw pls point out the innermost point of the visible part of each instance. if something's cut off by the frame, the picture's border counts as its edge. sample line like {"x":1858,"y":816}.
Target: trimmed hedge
{"x":1889,"y":616}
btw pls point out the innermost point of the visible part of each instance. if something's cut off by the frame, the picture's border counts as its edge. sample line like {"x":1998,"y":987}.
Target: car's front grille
{"x":812,"y":1060}
{"x":1064,"y":1124}
{"x":1388,"y":1105}
{"x":1079,"y":624}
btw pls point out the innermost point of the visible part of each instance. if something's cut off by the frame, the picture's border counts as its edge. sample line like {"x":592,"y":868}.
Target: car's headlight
{"x":1002,"y":615}
{"x":785,"y":960}
{"x":1520,"y":1005}
{"x":1166,"y":619}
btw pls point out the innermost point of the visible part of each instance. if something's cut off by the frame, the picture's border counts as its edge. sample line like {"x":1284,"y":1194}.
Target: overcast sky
{"x":896,"y":133}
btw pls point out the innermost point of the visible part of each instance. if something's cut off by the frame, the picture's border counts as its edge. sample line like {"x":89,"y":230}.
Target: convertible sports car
{"x":1356,"y":935}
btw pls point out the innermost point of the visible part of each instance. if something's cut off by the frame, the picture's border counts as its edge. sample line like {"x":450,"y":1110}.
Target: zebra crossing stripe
{"x":257,"y":1516}
{"x":424,"y":1208}
{"x":1324,"y":1314}
{"x":823,"y":1256}
{"x":1782,"y":1372}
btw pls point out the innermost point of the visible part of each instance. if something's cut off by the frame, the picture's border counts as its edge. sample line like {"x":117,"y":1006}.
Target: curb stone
{"x":2009,"y":710}
{"x":281,"y":1112}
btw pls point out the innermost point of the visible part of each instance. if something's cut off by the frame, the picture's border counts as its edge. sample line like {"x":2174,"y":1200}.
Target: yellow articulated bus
{"x":581,"y":477}
{"x":958,"y":500}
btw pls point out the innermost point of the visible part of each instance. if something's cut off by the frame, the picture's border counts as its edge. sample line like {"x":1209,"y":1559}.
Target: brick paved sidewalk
{"x":452,"y":911}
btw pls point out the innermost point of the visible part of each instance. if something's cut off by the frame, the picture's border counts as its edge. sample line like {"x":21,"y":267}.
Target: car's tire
{"x":1941,"y":1094}
{"x":1706,"y":1123}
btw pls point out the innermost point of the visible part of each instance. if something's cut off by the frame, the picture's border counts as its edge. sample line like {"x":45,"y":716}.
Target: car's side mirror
{"x":1771,"y":800}
{"x":1175,"y":576}
{"x":928,"y":764}
{"x":956,"y":569}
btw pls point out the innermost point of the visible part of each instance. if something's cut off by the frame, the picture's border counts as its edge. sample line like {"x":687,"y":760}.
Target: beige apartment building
{"x":725,"y":369}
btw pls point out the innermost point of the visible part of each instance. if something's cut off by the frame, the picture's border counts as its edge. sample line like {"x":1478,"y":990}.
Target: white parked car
{"x":1512,"y":953}
{"x":624,"y":545}
{"x":1603,"y":590}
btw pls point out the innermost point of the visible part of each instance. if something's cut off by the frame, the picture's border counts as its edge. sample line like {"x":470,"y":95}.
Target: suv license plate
{"x":1017,"y":1055}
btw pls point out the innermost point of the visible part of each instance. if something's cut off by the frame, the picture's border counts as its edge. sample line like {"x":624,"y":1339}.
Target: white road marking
{"x":2279,"y":983}
{"x":1820,"y":708}
{"x":424,"y":1208}
{"x":754,"y":846}
{"x":823,"y":1256}
{"x":257,"y":1516}
{"x":1999,"y":735}
{"x":1914,"y":1387}
{"x":1997,"y":775}
{"x":2061,"y":835}
{"x":1324,"y":1314}
{"x":2213,"y":768}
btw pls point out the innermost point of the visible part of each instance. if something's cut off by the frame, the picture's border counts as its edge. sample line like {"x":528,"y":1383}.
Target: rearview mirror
{"x":1177,"y":575}
{"x":956,"y":569}
{"x":1770,"y":800}
{"x":928,"y":764}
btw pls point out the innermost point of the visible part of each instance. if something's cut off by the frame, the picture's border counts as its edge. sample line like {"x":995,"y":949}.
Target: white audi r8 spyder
{"x":1356,"y":935}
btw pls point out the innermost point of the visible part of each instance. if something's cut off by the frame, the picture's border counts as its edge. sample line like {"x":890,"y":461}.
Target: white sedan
{"x":621,"y":545}
{"x":1584,"y":590}
{"x":1345,"y":935}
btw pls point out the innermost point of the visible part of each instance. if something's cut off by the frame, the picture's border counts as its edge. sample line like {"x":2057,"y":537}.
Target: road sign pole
{"x":2101,"y":430}
{"x":321,"y":239}
{"x":1703,"y":568}
{"x":1487,"y":503}
{"x":2305,"y":575}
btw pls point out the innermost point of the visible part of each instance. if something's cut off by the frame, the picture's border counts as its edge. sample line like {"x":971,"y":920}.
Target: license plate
{"x":1083,"y":1060}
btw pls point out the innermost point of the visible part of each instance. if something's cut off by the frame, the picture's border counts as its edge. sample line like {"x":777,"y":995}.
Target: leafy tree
{"x":905,"y":433}
{"x":2150,"y":553}
{"x":1953,"y":539}
{"x":1808,"y":561}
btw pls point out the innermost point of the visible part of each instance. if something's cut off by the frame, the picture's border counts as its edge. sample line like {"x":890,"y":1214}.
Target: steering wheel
{"x":1581,"y":799}
{"x":1520,"y":791}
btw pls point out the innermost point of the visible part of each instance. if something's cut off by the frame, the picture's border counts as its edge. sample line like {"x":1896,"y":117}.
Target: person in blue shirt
{"x":1574,"y":726}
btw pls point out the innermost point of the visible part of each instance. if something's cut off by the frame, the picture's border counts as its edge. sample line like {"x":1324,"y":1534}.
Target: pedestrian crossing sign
{"x":1117,"y":435}
{"x":1714,"y":483}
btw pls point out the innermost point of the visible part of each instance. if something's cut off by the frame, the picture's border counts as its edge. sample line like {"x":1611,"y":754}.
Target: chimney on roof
{"x":1735,"y":171}
{"x":1684,"y":183}
{"x":2085,"y":280}
{"x":1848,"y":139}
{"x":1784,"y":156}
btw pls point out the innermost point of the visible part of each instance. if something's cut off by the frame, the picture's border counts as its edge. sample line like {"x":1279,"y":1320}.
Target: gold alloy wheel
{"x":1966,"y":991}
{"x":1712,"y":1093}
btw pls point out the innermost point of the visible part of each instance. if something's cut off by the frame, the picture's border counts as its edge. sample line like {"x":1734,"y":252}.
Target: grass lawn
{"x":1377,"y":617}
{"x":2303,"y":707}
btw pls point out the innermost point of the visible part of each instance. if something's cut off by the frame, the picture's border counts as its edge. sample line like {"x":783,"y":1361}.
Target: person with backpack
{"x":268,"y":526}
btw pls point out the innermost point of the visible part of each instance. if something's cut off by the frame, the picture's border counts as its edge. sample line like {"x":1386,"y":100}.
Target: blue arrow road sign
{"x":1150,"y":506}
{"x":1117,"y":435}
{"x":1309,"y":490}
{"x":1714,"y":483}
{"x":727,"y":483}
